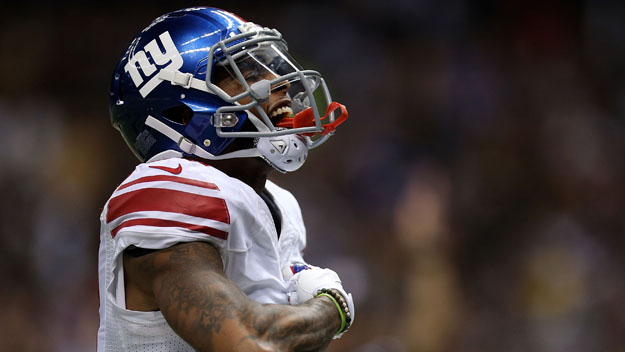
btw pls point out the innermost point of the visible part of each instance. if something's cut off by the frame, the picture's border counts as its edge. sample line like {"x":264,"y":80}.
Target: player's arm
{"x":187,"y":283}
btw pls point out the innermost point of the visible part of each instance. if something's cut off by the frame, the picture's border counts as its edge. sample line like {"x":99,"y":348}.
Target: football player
{"x":199,"y":251}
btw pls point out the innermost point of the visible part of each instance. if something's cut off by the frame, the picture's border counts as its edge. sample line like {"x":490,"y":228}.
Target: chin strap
{"x":191,"y":148}
{"x":284,"y":153}
{"x":185,"y":80}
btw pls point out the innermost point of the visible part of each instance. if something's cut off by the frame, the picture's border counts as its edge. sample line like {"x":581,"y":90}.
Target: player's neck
{"x":251,"y":171}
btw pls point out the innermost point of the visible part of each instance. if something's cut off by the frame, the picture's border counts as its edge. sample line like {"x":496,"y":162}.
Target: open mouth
{"x":280,"y":110}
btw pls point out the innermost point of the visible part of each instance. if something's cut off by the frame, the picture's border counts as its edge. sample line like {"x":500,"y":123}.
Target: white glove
{"x":304,"y":282}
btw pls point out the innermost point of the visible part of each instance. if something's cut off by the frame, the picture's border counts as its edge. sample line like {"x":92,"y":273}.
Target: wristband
{"x":346,"y":318}
{"x":341,"y":313}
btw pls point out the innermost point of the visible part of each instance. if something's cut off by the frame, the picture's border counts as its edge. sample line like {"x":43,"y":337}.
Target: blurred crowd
{"x":473,"y":201}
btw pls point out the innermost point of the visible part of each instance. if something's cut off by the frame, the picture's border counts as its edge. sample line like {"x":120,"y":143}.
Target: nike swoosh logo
{"x":175,"y":171}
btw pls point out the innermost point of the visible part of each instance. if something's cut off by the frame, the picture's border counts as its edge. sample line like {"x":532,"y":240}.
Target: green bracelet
{"x":341,"y":313}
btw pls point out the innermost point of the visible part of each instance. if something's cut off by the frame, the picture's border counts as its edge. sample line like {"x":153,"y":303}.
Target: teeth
{"x":281,"y":110}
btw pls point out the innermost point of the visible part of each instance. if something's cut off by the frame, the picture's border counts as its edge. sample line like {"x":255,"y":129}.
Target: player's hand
{"x":304,"y":282}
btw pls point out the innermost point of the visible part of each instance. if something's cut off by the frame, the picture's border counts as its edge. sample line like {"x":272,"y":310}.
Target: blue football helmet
{"x":195,"y":80}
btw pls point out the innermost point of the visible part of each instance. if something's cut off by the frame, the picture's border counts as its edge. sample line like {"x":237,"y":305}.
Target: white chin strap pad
{"x":285,"y":153}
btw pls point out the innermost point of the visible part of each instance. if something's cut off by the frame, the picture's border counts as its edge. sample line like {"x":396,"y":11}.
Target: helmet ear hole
{"x":181,"y":114}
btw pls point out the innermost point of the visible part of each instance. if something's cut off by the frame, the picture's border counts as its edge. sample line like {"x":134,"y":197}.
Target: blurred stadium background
{"x":474,"y":201}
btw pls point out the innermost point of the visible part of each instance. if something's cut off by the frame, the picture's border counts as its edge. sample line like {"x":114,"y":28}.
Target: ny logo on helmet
{"x":139,"y":63}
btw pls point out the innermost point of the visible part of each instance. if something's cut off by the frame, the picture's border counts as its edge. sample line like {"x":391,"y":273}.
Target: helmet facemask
{"x":259,"y":63}
{"x":248,"y":71}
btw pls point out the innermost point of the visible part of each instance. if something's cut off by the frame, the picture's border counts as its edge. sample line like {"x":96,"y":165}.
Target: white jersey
{"x":174,"y":200}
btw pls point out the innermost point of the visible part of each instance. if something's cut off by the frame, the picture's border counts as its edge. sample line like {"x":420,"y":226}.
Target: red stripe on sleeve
{"x":170,"y":223}
{"x":186,"y":181}
{"x":167,"y":200}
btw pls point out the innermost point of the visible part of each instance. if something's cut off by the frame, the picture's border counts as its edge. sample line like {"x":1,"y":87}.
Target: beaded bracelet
{"x":341,"y":305}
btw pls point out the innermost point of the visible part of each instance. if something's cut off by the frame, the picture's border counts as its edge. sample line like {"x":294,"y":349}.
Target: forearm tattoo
{"x":206,"y":309}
